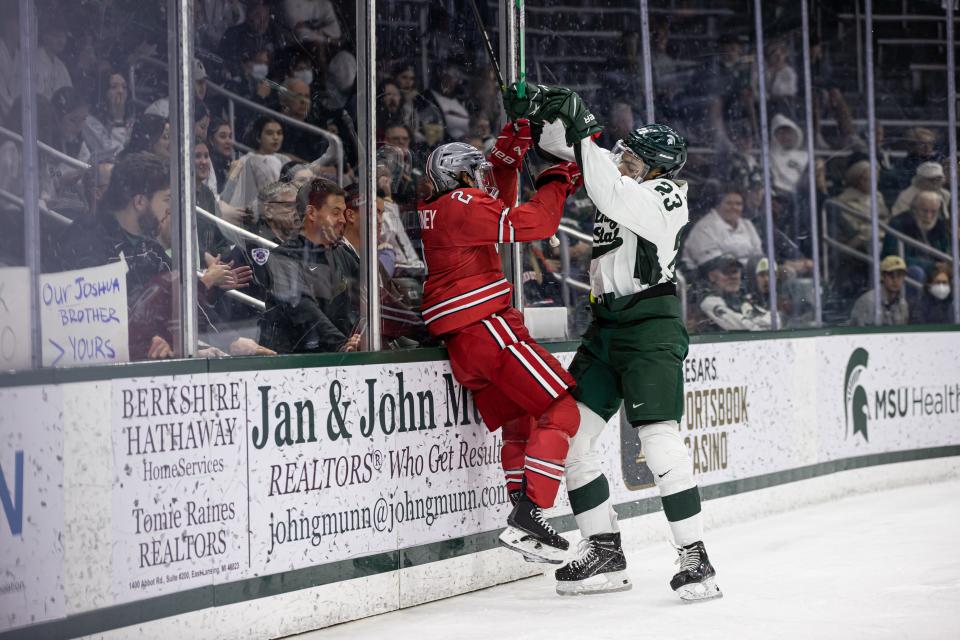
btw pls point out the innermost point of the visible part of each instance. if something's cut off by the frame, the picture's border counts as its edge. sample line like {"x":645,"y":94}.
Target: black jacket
{"x":312,"y":297}
{"x":101,"y":240}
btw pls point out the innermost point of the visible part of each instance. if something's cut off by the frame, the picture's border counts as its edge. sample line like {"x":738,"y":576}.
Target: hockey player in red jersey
{"x":516,"y":383}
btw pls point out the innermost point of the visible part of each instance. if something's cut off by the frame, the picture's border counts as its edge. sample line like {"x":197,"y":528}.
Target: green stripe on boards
{"x":590,"y":495}
{"x":680,"y":506}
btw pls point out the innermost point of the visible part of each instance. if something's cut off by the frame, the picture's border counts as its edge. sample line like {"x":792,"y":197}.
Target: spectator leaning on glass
{"x":309,"y":303}
{"x":893,"y":305}
{"x":924,"y":223}
{"x":725,"y":306}
{"x":722,"y":231}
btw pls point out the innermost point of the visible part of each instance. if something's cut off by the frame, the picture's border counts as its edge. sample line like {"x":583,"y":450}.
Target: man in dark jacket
{"x":311,"y":298}
{"x":136,"y":201}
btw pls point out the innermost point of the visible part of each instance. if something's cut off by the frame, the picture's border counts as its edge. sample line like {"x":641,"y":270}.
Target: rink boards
{"x":264,"y":502}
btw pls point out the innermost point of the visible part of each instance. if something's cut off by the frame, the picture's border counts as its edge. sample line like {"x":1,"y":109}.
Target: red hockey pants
{"x":519,"y":386}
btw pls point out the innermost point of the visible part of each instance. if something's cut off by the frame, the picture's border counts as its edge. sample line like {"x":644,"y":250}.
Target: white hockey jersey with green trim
{"x":636,"y":234}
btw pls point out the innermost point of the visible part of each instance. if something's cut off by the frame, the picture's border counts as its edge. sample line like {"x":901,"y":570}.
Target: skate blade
{"x":531,"y":550}
{"x":699,"y":591}
{"x":600,"y":583}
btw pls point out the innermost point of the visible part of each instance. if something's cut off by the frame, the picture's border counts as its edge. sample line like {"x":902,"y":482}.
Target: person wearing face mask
{"x":935,"y":305}
{"x":922,"y":222}
{"x":256,"y":33}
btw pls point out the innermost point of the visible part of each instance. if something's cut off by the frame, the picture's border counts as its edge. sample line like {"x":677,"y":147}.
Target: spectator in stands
{"x":668,"y":74}
{"x":389,"y":106}
{"x":935,"y":305}
{"x":277,"y":203}
{"x":780,"y":76}
{"x":446,"y":96}
{"x":111,"y":123}
{"x":921,"y":147}
{"x":893,"y":305}
{"x":313,"y":22}
{"x":212,"y":18}
{"x":888,"y":179}
{"x":136,"y":201}
{"x":620,"y":123}
{"x":150,"y":133}
{"x":278,"y":222}
{"x":741,"y":166}
{"x":51,"y":73}
{"x":71,"y":109}
{"x":924,"y":223}
{"x":296,"y":173}
{"x":727,"y":79}
{"x":65,"y":191}
{"x":241,"y":44}
{"x":723,"y":231}
{"x":725,"y":306}
{"x":9,"y":51}
{"x":483,"y":97}
{"x":303,"y":145}
{"x":250,"y":82}
{"x":929,"y":177}
{"x":788,"y":155}
{"x":161,"y":106}
{"x":222,"y":152}
{"x":338,"y":92}
{"x":210,"y":239}
{"x":308,"y":303}
{"x":96,"y":180}
{"x":855,"y":230}
{"x":258,"y":168}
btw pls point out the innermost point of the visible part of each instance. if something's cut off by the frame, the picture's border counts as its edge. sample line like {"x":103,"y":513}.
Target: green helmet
{"x":658,"y":146}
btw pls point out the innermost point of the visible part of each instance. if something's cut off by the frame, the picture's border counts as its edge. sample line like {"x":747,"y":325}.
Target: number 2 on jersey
{"x":461,"y":196}
{"x":669,"y":204}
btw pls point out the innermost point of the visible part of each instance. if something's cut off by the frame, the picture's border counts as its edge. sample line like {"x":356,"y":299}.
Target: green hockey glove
{"x":537,"y":97}
{"x":579,"y":122}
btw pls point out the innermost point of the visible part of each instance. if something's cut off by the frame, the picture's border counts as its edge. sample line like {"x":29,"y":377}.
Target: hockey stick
{"x":521,"y":84}
{"x":488,"y":45}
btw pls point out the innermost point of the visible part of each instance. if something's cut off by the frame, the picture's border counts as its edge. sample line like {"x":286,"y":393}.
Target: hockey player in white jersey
{"x":633,"y":352}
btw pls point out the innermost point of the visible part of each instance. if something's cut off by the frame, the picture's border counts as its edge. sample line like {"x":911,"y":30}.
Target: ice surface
{"x":881,"y":565}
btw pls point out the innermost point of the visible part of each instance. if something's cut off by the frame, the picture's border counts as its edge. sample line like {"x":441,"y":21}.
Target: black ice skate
{"x":599,"y":567}
{"x":695,"y":580}
{"x":529,"y":534}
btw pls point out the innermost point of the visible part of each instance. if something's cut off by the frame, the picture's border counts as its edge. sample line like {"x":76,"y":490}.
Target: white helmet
{"x":448,"y":161}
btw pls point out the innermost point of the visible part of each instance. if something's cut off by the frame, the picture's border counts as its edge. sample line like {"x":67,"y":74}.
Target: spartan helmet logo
{"x":854,"y":395}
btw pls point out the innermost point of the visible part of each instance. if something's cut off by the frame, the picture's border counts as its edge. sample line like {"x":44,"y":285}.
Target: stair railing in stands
{"x":233,"y":99}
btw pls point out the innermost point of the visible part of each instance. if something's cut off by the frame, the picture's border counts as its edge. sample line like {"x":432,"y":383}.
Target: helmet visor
{"x":628,"y":162}
{"x":483,"y":176}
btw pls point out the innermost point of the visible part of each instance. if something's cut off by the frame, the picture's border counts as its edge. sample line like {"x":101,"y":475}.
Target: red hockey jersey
{"x":460,"y":231}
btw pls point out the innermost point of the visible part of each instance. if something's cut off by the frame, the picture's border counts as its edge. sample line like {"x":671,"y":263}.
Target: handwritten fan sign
{"x":15,"y":347}
{"x":83,"y":316}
